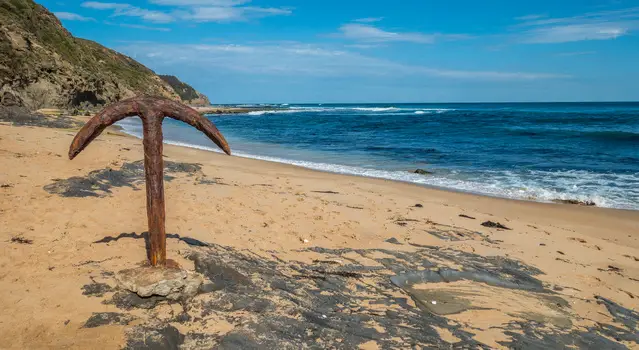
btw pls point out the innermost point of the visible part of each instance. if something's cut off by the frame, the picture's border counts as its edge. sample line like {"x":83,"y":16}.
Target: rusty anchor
{"x":152,"y":111}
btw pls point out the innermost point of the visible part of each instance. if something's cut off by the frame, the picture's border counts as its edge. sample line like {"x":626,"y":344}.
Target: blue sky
{"x":243,"y":51}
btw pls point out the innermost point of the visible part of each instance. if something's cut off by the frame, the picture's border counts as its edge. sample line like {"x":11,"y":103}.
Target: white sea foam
{"x":433,"y":110}
{"x":605,"y":190}
{"x":279,"y":111}
{"x":362,"y":110}
{"x":330,"y":109}
{"x":374,"y":109}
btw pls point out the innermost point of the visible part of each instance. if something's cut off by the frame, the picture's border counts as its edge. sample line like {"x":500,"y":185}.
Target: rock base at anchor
{"x":170,"y":282}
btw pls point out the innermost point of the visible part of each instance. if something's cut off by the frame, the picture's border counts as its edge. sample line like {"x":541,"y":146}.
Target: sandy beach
{"x":338,"y":261}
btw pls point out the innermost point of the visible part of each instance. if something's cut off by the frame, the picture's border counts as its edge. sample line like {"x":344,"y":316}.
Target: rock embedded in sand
{"x":96,"y":289}
{"x":393,"y":240}
{"x":19,"y":116}
{"x":172,"y":283}
{"x":466,"y":216}
{"x":492,"y":224}
{"x":127,"y":300}
{"x":21,"y":240}
{"x":107,"y":318}
{"x":145,"y":337}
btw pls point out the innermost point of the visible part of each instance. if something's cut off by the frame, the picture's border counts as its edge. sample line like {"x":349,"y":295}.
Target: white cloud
{"x":147,"y":15}
{"x":224,"y":48}
{"x":295,"y":59}
{"x":192,"y":10}
{"x":228,"y":14}
{"x":104,"y":5}
{"x":214,"y":3}
{"x":602,"y":25}
{"x":575,"y":32}
{"x":577,"y":53}
{"x":137,"y":26}
{"x":364,"y":46}
{"x":220,"y":10}
{"x":214,"y":14}
{"x":268,"y":11}
{"x":121,"y":9}
{"x":372,"y":34}
{"x":364,"y":32}
{"x":530,"y":17}
{"x":369,"y":19}
{"x":307,"y":50}
{"x":72,"y":16}
{"x":490,"y":75}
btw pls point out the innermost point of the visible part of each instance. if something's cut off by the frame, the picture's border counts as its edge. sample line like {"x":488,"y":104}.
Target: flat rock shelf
{"x":349,"y":298}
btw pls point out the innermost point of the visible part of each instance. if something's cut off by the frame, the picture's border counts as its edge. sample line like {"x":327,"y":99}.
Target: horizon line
{"x":354,"y":103}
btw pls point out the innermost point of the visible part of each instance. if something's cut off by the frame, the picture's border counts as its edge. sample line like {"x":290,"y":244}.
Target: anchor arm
{"x":188,"y":115}
{"x":94,"y":127}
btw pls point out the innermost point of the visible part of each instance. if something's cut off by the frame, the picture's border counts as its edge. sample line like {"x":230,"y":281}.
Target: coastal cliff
{"x":43,"y":65}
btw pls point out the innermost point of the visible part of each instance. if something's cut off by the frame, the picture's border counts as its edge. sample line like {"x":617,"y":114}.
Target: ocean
{"x":530,"y":151}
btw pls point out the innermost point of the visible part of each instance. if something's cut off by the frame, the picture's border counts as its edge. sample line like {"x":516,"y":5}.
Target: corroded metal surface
{"x":152,"y":111}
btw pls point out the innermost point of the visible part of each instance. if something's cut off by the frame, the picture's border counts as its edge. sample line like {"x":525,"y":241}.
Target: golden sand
{"x":265,"y":207}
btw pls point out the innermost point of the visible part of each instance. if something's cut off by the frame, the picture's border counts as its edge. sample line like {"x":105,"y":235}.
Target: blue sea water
{"x":531,"y":151}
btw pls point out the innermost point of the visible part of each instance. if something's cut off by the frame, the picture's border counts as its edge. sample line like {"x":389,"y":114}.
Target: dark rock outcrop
{"x":575,"y":202}
{"x":423,"y":172}
{"x":347,"y":298}
{"x":20,"y":116}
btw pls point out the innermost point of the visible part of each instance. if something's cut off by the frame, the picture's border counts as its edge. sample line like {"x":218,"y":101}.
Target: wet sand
{"x":306,"y":257}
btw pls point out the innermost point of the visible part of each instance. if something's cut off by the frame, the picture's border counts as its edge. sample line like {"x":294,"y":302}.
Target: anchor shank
{"x":152,"y":111}
{"x":154,"y":173}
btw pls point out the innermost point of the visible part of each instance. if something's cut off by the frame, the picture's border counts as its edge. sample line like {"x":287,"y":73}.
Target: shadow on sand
{"x":147,"y":244}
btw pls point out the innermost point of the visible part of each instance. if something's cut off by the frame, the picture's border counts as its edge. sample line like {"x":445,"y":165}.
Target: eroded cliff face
{"x":43,"y":65}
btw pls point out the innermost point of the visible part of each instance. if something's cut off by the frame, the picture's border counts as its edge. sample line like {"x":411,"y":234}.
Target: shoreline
{"x":118,"y":131}
{"x":299,"y":164}
{"x":472,"y":200}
